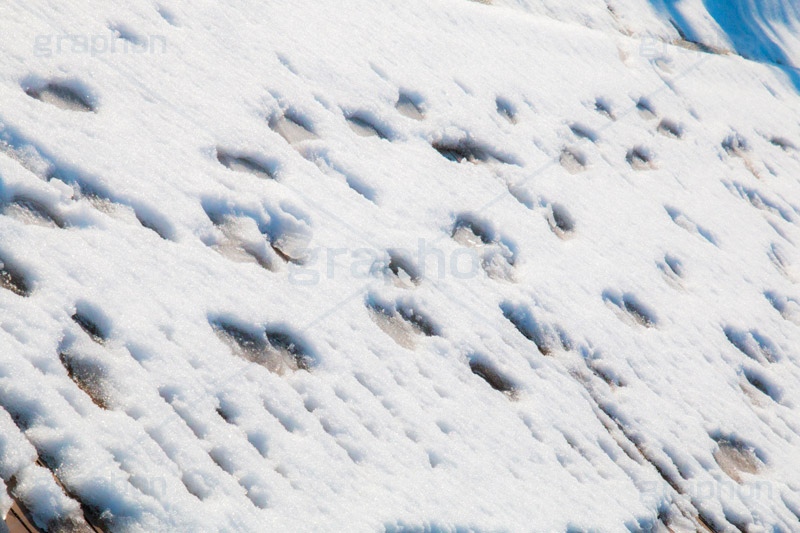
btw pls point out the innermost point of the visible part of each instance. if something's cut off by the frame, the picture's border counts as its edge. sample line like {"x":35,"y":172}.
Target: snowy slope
{"x":410,"y":265}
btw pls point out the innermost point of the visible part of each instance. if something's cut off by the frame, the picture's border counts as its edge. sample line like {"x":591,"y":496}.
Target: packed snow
{"x":407,"y":265}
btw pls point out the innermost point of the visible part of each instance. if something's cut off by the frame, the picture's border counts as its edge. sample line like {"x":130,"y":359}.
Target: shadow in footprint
{"x":686,"y":223}
{"x":167,"y":15}
{"x":470,"y":151}
{"x":784,"y":262}
{"x":402,"y":322}
{"x":150,"y":219}
{"x":330,"y":165}
{"x":506,"y":109}
{"x":645,"y":109}
{"x":246,"y":163}
{"x":90,"y":377}
{"x":30,"y":211}
{"x":629,"y":308}
{"x":365,"y":125}
{"x":672,"y":269}
{"x":274,"y":348}
{"x":670,"y":129}
{"x":783,"y":143}
{"x":603,"y":106}
{"x":753,"y":344}
{"x":735,"y":145}
{"x":62,"y":95}
{"x":497,"y":255}
{"x":401,"y":270}
{"x":759,"y":200}
{"x":293,"y":127}
{"x":92,"y":323}
{"x":640,"y":158}
{"x":245,"y":232}
{"x":789,"y":308}
{"x":763,"y":383}
{"x":12,"y":279}
{"x":560,"y":221}
{"x":242,"y":237}
{"x":572,"y":160}
{"x":468,"y":231}
{"x":546,"y":338}
{"x":583,"y":132}
{"x":410,"y":106}
{"x":121,"y":31}
{"x":496,"y":380}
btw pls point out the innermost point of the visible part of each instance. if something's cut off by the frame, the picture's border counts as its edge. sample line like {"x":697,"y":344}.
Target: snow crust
{"x":405,"y":265}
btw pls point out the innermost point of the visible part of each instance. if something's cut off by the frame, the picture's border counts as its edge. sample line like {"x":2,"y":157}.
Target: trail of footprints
{"x":35,"y":208}
{"x":21,"y":516}
{"x":276,"y":349}
{"x":29,"y":509}
{"x":280,"y":352}
{"x":733,"y":456}
{"x":245,"y":237}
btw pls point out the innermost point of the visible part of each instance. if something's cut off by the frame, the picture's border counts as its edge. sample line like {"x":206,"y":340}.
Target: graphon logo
{"x":45,"y":45}
{"x":408,"y":266}
{"x":712,"y":490}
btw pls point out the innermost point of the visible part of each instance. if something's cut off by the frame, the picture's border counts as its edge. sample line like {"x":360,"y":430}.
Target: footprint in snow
{"x":12,"y":279}
{"x":91,"y":326}
{"x":736,"y":458}
{"x":753,"y":344}
{"x":560,"y":221}
{"x":292,"y":127}
{"x":548,"y":339}
{"x":364,"y":124}
{"x":645,"y":109}
{"x":603,"y":106}
{"x":470,"y":151}
{"x":401,"y":271}
{"x":572,"y":160}
{"x":403,"y":323}
{"x":672,"y":269}
{"x":783,"y":143}
{"x":640,"y":158}
{"x":630,"y":309}
{"x":409,"y":107}
{"x":88,"y":376}
{"x":496,"y":254}
{"x":670,"y":129}
{"x":485,"y":370}
{"x":61,"y":95}
{"x":506,"y":109}
{"x":788,"y":307}
{"x":583,"y":132}
{"x":689,"y":225}
{"x":30,"y":211}
{"x":250,"y":164}
{"x":277,"y":350}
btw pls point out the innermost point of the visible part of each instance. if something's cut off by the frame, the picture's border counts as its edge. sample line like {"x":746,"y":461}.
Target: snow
{"x":400,"y":266}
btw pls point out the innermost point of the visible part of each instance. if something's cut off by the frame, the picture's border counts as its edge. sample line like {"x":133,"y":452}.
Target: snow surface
{"x":409,"y":265}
